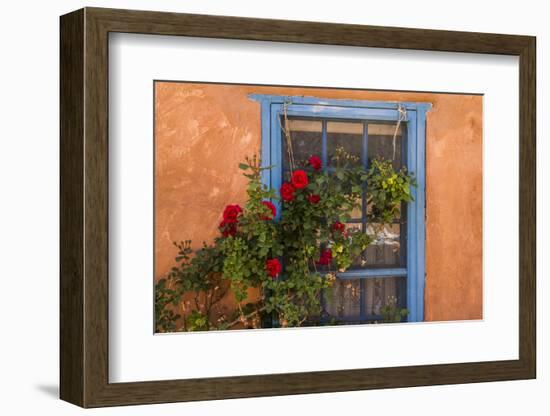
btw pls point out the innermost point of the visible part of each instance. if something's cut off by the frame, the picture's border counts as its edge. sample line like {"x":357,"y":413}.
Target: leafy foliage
{"x":198,"y":276}
{"x":164,"y":296}
{"x":289,"y":261}
{"x":256,"y":241}
{"x":391,"y":312}
{"x":307,"y":231}
{"x":387,"y":189}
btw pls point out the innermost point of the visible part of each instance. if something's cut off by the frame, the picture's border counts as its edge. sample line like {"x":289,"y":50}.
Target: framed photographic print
{"x":256,"y":207}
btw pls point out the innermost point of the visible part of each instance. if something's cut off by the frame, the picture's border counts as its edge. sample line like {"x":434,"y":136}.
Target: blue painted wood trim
{"x":420,"y":212}
{"x":279,"y":99}
{"x":411,"y":225}
{"x":276,"y":146}
{"x":357,"y":113}
{"x":266,"y":144}
{"x":372,"y":273}
{"x":416,"y":162}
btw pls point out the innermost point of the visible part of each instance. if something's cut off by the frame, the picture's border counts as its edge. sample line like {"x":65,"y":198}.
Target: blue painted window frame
{"x":273,"y":107}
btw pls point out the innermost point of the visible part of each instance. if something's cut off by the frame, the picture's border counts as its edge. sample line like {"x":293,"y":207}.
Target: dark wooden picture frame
{"x":84,"y":207}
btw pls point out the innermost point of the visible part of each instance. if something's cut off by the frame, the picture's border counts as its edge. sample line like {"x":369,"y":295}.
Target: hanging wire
{"x":288,"y":138}
{"x":402,"y":117}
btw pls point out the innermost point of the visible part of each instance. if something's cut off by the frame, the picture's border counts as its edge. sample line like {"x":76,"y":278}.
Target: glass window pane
{"x":359,"y":261}
{"x":381,"y":299}
{"x":385,"y":250}
{"x":388,"y":248}
{"x":401,"y":208}
{"x":357,"y":212}
{"x":382,"y":144}
{"x":306,"y":137}
{"x":384,"y":291}
{"x":343,"y":299}
{"x":347,"y":136}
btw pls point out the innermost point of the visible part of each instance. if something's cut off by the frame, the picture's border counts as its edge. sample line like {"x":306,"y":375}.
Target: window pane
{"x":398,"y":218}
{"x":385,"y":250}
{"x":384,"y":291}
{"x":343,"y":299}
{"x":345,"y":135}
{"x":381,"y":143}
{"x":357,"y":212}
{"x":306,"y":137}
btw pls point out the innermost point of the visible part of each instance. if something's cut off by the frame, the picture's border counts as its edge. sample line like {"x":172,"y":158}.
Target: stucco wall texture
{"x":203,"y":131}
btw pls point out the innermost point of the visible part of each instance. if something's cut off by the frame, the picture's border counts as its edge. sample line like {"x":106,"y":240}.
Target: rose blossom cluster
{"x":300,"y":180}
{"x":326,"y":255}
{"x":340,"y":228}
{"x":230,"y":217}
{"x":228,"y":227}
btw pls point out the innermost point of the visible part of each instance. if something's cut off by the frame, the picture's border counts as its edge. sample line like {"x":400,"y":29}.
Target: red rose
{"x":287,"y":192}
{"x":231,"y":212}
{"x":273,"y":267}
{"x":314,"y":199}
{"x":315,"y":162}
{"x":272,"y":208}
{"x":339,"y":227}
{"x":299,"y":179}
{"x":228,"y":228}
{"x":325,"y":258}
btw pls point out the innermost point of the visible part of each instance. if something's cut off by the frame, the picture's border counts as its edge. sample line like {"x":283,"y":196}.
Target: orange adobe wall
{"x":203,"y":131}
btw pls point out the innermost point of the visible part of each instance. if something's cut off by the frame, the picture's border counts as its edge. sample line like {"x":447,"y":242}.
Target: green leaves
{"x":197,"y":321}
{"x":391,"y":312}
{"x":236,"y":262}
{"x":386,"y":190}
{"x":165,"y":298}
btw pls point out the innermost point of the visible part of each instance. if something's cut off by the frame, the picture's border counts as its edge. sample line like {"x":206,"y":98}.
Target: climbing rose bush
{"x":289,"y":261}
